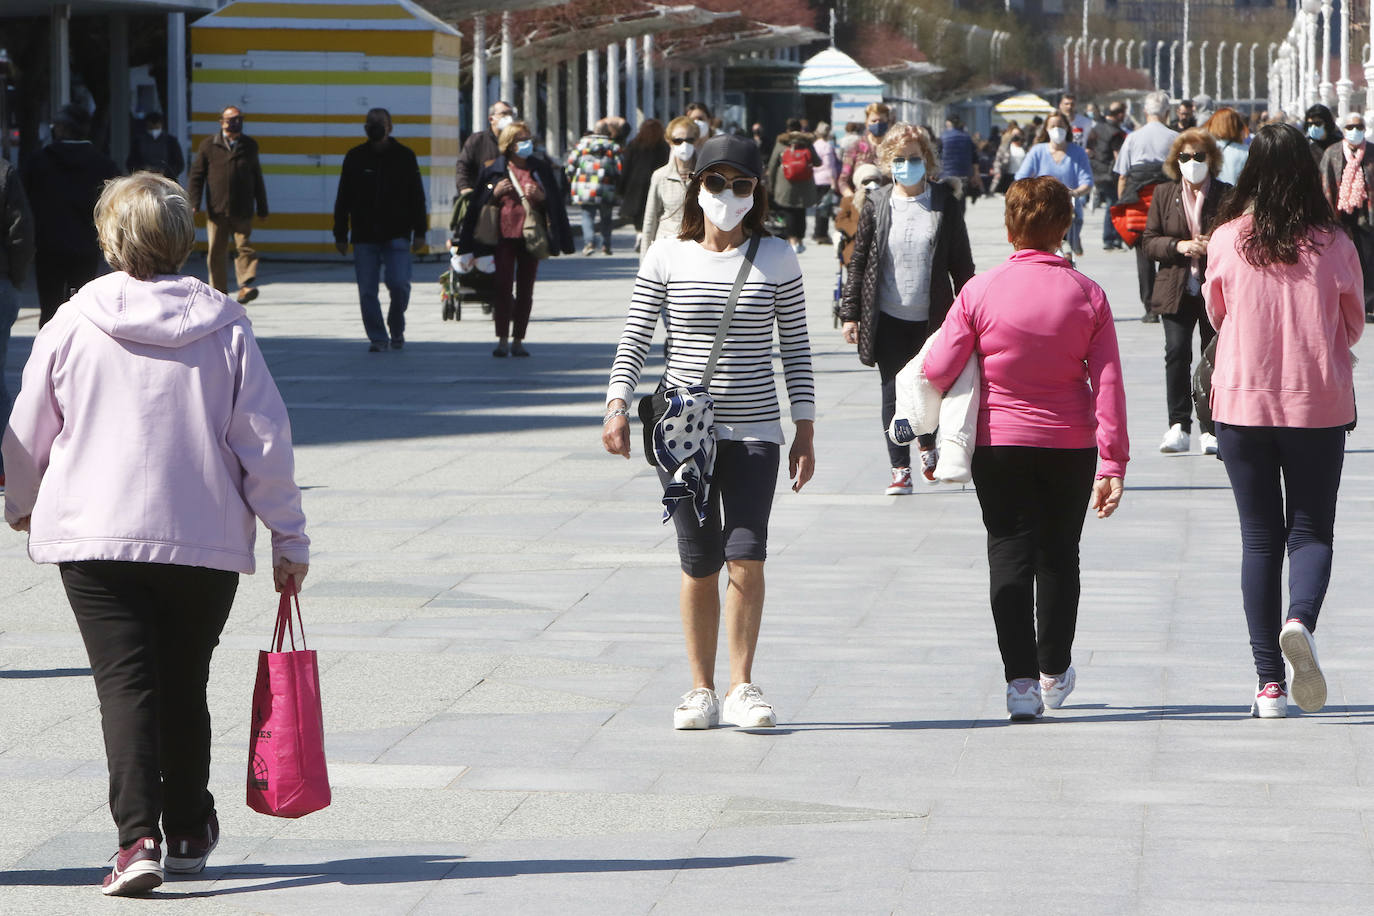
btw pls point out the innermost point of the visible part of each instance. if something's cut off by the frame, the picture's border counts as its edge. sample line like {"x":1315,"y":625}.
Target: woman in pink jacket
{"x":1284,"y":291}
{"x":1051,"y":418}
{"x":148,"y":439}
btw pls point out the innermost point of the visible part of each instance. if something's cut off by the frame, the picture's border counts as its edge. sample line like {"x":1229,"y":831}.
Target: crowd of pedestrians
{"x":1252,"y":239}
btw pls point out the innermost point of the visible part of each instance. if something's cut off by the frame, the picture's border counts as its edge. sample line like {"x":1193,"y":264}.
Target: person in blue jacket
{"x":1055,"y":154}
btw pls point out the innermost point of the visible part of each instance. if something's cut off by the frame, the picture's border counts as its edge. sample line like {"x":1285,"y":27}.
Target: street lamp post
{"x":1201,"y":69}
{"x":1068,"y":45}
{"x":1159,"y":57}
{"x":1173,"y":61}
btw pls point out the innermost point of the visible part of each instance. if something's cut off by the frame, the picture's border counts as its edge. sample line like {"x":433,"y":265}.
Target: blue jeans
{"x":594,"y":217}
{"x":9,"y":310}
{"x":1285,"y":482}
{"x":368,"y":260}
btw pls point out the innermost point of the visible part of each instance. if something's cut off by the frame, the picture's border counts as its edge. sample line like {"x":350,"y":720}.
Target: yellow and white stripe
{"x":304,"y":74}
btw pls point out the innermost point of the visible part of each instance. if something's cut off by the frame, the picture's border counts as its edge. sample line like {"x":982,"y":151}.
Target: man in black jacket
{"x":228,"y":171}
{"x":481,"y":147}
{"x":63,"y":182}
{"x":154,"y":150}
{"x":16,"y":251}
{"x":382,"y":197}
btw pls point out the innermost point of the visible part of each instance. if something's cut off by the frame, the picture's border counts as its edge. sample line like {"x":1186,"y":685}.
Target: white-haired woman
{"x":147,"y":404}
{"x":911,"y":258}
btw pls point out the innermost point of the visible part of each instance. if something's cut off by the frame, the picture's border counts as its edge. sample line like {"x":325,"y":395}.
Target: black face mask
{"x":375,"y":132}
{"x":233,"y":125}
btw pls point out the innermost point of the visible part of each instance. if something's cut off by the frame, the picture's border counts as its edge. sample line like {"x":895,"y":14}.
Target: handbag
{"x":488,"y":231}
{"x":652,"y":408}
{"x":535,"y":233}
{"x":287,"y":774}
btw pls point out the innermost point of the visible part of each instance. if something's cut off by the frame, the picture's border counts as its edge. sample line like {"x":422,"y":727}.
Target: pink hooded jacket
{"x":149,"y":429}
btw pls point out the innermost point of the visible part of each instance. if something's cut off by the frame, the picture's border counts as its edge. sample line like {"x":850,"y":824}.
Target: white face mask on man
{"x":724,"y":210}
{"x":704,"y":127}
{"x":503,"y":122}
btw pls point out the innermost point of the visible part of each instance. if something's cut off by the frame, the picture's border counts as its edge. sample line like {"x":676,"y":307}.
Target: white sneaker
{"x":1308,"y":684}
{"x":1056,"y":689}
{"x":901,"y":483}
{"x":699,"y":709}
{"x":930,"y":460}
{"x":1208,"y":443}
{"x":1023,"y":699}
{"x":1175,"y":440}
{"x":746,"y":707}
{"x":1270,"y":703}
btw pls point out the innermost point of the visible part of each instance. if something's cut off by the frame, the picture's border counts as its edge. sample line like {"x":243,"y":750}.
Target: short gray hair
{"x":145,"y":225}
{"x":1156,"y":103}
{"x":491,"y":109}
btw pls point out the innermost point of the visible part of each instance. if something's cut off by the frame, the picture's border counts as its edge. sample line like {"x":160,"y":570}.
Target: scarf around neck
{"x":1193,"y":201}
{"x":1353,"y":194}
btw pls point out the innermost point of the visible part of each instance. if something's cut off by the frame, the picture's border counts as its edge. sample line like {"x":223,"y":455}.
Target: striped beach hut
{"x":305,"y":72}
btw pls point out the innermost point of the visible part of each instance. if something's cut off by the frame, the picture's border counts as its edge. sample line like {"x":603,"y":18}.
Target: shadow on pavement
{"x":25,"y":674}
{"x":382,"y":870}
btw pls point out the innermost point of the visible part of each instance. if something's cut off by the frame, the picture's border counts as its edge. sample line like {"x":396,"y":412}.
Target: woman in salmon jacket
{"x":1285,"y":292}
{"x":1051,"y":418}
{"x":147,"y":441}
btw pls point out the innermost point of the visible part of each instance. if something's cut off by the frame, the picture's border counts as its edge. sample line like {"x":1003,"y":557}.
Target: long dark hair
{"x":1281,"y":182}
{"x":694,"y":221}
{"x":650,"y":135}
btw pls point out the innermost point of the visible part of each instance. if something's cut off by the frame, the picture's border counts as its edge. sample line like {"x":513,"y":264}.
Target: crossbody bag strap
{"x":730,"y":304}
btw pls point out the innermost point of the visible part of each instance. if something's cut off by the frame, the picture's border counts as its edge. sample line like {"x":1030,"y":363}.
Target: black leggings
{"x":742,"y":487}
{"x":1285,"y":481}
{"x":149,"y":630}
{"x":1178,"y":359}
{"x":1034,"y":501}
{"x":895,"y":344}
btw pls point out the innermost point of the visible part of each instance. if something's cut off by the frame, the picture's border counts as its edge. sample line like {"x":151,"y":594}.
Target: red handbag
{"x":287,"y":774}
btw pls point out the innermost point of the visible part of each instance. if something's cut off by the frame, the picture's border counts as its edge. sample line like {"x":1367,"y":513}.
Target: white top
{"x":904,"y":275}
{"x":1081,"y":127}
{"x":1150,"y":143}
{"x":688,"y":286}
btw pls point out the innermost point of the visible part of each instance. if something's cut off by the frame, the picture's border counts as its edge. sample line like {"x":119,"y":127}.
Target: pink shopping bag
{"x":287,"y":776}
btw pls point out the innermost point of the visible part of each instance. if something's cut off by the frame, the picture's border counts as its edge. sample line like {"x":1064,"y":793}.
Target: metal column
{"x":175,"y":115}
{"x":633,"y":112}
{"x":479,"y":74}
{"x":573,"y":129}
{"x":593,"y":88}
{"x":650,"y":87}
{"x":507,"y":60}
{"x":613,"y":80}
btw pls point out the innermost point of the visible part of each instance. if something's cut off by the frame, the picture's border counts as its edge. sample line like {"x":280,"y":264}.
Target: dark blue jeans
{"x":368,"y":261}
{"x":1106,"y":192}
{"x":1285,"y":481}
{"x":9,"y":311}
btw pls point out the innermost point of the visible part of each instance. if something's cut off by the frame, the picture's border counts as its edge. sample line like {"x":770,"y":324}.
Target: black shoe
{"x":518,"y":349}
{"x":1369,"y":317}
{"x":500,"y":351}
{"x":605,"y":249}
{"x":1150,"y":318}
{"x":379,"y":347}
{"x":398,"y":342}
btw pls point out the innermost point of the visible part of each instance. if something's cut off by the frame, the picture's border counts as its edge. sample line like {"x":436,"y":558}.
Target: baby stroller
{"x":466,"y":280}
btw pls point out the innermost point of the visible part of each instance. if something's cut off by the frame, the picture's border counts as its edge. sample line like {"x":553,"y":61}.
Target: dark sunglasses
{"x":678,"y":141}
{"x":1196,"y":157}
{"x":715,"y":182}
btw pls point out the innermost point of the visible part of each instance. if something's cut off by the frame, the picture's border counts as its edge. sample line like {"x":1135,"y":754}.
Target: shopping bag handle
{"x":285,"y":627}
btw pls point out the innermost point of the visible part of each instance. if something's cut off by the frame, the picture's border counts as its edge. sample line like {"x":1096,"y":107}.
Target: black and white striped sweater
{"x":689,"y":286}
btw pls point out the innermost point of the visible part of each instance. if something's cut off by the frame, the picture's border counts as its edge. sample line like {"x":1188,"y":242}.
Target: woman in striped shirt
{"x":688,"y":280}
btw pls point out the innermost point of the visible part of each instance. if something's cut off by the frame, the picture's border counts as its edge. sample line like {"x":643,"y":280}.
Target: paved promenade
{"x":494,"y":604}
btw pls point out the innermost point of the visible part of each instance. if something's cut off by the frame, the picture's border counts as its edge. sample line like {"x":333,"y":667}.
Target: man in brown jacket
{"x":228,"y":171}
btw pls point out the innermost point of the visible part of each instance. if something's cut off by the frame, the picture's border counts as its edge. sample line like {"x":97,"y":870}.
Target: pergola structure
{"x":588,"y":59}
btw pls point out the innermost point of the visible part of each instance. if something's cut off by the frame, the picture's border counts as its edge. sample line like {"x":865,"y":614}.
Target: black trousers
{"x":59,"y":275}
{"x":895,"y":344}
{"x":1145,"y":274}
{"x":1034,"y":501}
{"x":150,"y":629}
{"x":1178,"y":358}
{"x":1106,"y":191}
{"x":794,"y":219}
{"x":1363,"y":236}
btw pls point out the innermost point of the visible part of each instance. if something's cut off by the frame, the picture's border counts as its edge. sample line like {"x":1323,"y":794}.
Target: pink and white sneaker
{"x":1056,"y":688}
{"x":137,"y":869}
{"x":1307,"y":683}
{"x":1270,"y":703}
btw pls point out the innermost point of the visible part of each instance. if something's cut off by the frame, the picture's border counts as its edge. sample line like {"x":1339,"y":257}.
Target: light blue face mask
{"x":524,"y":148}
{"x":1316,"y":132}
{"x":909,"y":173}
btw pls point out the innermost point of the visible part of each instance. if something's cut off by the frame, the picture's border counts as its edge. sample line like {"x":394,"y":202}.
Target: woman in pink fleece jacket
{"x":148,"y":439}
{"x":1051,"y":403}
{"x":1285,"y":292}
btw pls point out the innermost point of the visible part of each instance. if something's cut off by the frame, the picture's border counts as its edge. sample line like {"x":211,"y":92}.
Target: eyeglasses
{"x":715,"y":182}
{"x":1195,"y":157}
{"x":678,"y":141}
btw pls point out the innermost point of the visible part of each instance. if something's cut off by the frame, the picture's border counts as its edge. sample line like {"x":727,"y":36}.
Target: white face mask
{"x":704,"y":127}
{"x":685,"y":151}
{"x":724,"y":210}
{"x":1193,"y":172}
{"x":503,"y":122}
{"x":1057,"y":135}
{"x":155,"y":132}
